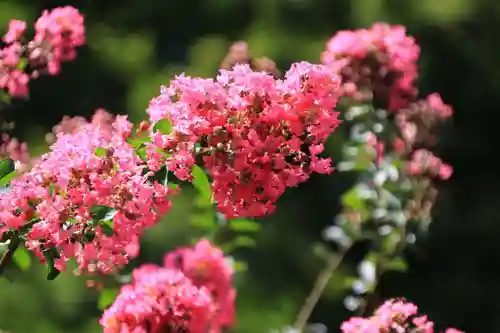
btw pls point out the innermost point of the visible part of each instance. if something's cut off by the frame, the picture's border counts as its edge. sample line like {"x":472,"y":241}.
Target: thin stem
{"x":7,"y":256}
{"x":317,"y":290}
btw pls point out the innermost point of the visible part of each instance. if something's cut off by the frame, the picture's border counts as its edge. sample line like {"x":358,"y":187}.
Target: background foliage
{"x":134,"y":46}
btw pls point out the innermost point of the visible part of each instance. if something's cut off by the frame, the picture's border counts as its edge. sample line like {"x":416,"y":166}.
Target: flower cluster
{"x":391,"y":132}
{"x":393,"y":316}
{"x":424,"y":162}
{"x":255,"y":135}
{"x":58,"y":33}
{"x":206,"y":266}
{"x":88,"y":198}
{"x":158,"y":300}
{"x":375,"y":64}
{"x":192,"y":293}
{"x":417,"y":121}
{"x":69,"y":125}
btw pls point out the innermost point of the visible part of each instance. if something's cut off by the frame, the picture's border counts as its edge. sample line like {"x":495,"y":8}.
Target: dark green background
{"x":133,"y":46}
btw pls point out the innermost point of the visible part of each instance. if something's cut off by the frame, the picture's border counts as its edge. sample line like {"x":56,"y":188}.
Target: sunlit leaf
{"x":164,"y":126}
{"x":106,"y":298}
{"x":21,"y":64}
{"x":7,"y":178}
{"x":7,"y":166}
{"x":201,"y":182}
{"x":244,"y":225}
{"x":240,"y":266}
{"x":352,"y":199}
{"x":397,"y":264}
{"x":203,"y":221}
{"x":100,"y":212}
{"x":100,"y":151}
{"x":22,"y":259}
{"x":107,"y":227}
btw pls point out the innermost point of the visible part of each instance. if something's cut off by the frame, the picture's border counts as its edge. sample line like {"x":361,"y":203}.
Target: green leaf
{"x":103,"y":216}
{"x":100,"y":151}
{"x":49,"y":255}
{"x":396,"y":264}
{"x":6,"y":167}
{"x":203,"y":221}
{"x":107,"y":297}
{"x":22,"y":259}
{"x":107,"y":227}
{"x":21,"y":65}
{"x":363,"y":159}
{"x":201,"y":182}
{"x":5,"y":98}
{"x":348,"y":281}
{"x":398,"y":163}
{"x":390,"y":242}
{"x":321,"y":251}
{"x":52,"y":189}
{"x":163,"y":126}
{"x":8,"y":178}
{"x":372,"y":256}
{"x":141,"y":151}
{"x":173,"y":186}
{"x":100,"y":212}
{"x":240,"y":266}
{"x":244,"y":225}
{"x":139,"y":141}
{"x":352,"y":200}
{"x":244,"y":241}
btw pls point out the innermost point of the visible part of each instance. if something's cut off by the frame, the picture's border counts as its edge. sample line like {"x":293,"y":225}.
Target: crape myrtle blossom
{"x":254,"y":135}
{"x":393,"y":316}
{"x":69,"y":125}
{"x":375,"y":64}
{"x":58,"y":33}
{"x":192,"y":292}
{"x":88,"y":198}
{"x":418,"y":121}
{"x":206,"y":266}
{"x":17,"y":151}
{"x":159,"y":300}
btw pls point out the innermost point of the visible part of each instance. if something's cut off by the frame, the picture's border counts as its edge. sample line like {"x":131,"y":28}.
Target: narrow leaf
{"x":201,"y":182}
{"x":244,"y":225}
{"x":49,"y":257}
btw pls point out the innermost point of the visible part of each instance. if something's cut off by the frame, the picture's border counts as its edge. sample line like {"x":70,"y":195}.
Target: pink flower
{"x":250,"y":131}
{"x":16,"y":30}
{"x":418,"y":120}
{"x":63,"y":29}
{"x":158,"y":300}
{"x":14,"y":150}
{"x":92,"y":168}
{"x":393,"y":316}
{"x":381,"y":59}
{"x":58,"y":33}
{"x":206,"y":266}
{"x":424,"y":162}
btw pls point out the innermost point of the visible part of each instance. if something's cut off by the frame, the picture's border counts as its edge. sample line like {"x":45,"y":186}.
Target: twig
{"x":7,"y":256}
{"x":318,"y":288}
